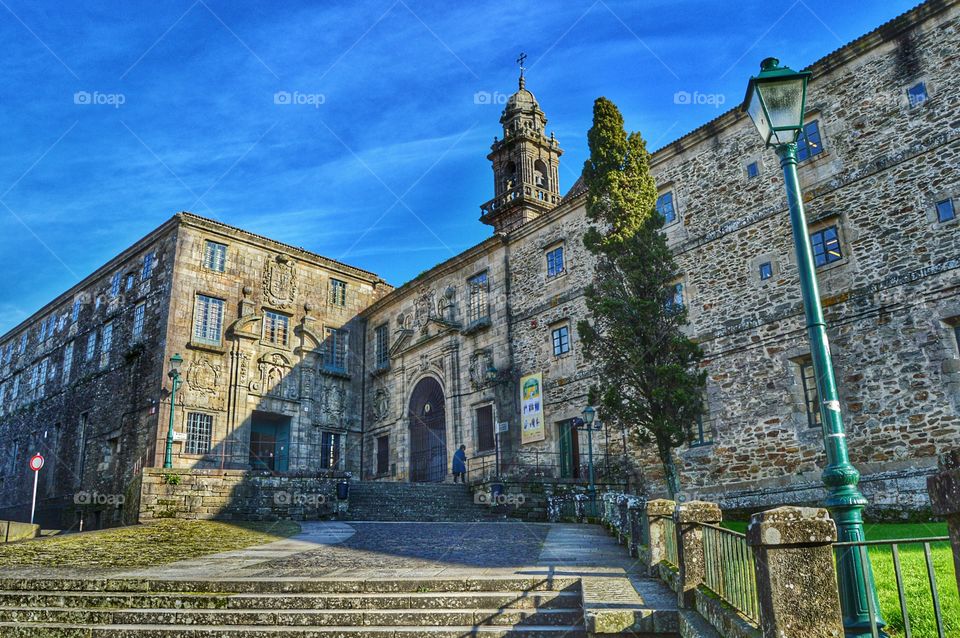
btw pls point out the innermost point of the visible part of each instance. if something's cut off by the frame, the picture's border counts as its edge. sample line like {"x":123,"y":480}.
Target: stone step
{"x":286,"y":617}
{"x":291,"y":585}
{"x":13,"y":630}
{"x":561,"y":600}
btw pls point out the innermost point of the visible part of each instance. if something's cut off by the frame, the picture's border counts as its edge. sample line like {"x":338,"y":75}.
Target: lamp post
{"x":586,"y":423}
{"x":775,"y":101}
{"x":175,"y":362}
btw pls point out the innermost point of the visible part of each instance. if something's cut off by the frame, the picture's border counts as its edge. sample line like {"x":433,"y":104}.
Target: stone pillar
{"x":658,"y":511}
{"x":944,"y":488}
{"x":687,"y":517}
{"x":796,"y":577}
{"x":635,"y":521}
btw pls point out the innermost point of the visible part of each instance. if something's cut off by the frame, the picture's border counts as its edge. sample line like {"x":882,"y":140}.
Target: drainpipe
{"x":363,"y":398}
{"x":514,"y":408}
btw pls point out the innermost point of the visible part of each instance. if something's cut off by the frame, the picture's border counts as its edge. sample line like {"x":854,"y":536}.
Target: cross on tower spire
{"x":520,"y":61}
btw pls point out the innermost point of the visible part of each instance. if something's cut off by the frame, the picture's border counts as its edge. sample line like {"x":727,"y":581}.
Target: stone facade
{"x":418,"y":371}
{"x":875,"y":175}
{"x":255,"y":391}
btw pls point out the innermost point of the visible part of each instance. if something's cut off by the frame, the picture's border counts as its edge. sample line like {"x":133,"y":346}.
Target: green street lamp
{"x":175,"y":362}
{"x":775,"y":101}
{"x":588,"y":416}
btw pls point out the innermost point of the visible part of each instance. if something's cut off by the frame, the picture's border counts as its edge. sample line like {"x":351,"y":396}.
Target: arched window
{"x":540,"y":174}
{"x":509,"y":176}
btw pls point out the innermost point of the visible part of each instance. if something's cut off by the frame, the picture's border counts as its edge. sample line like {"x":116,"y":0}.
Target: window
{"x":808,"y":142}
{"x":107,"y":340}
{"x":698,"y":435}
{"x":675,"y":300}
{"x":383,"y":454}
{"x":766,"y":270}
{"x":382,"y":346}
{"x":665,"y":207}
{"x":335,"y":350}
{"x":276,"y":327}
{"x":128,"y":283}
{"x":115,"y":285}
{"x":138,"y":314}
{"x":75,"y":311}
{"x":3,"y":396}
{"x":15,"y":390}
{"x":917,"y":94}
{"x":561,"y":340}
{"x":147,"y":269}
{"x":811,"y":397}
{"x":330,"y":450}
{"x":956,"y":336}
{"x":338,"y":292}
{"x":96,"y":304}
{"x":43,"y":330}
{"x":753,"y":170}
{"x":208,"y":319}
{"x":826,"y":246}
{"x":555,"y":261}
{"x":23,"y":342}
{"x":53,"y":324}
{"x":485,"y":434}
{"x":214,"y":256}
{"x":477,"y":308}
{"x":41,"y":380}
{"x":91,"y":345}
{"x":199,"y":433}
{"x":67,"y":361}
{"x":945,"y":211}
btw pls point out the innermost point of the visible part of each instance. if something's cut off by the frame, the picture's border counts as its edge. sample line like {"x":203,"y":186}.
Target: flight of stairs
{"x":395,"y":501}
{"x":521,"y":607}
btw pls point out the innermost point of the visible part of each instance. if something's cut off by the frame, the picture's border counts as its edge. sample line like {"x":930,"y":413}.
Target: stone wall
{"x":235,"y":495}
{"x":891,"y":302}
{"x":94,"y":411}
{"x":246,"y":374}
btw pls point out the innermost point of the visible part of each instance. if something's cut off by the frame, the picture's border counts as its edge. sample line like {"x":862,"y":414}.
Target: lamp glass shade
{"x":175,"y":362}
{"x":783,"y":106}
{"x":492,"y":373}
{"x":588,"y":414}
{"x":775,"y":102}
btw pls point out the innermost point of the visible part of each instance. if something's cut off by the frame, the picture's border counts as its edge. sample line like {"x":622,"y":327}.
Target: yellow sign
{"x":531,"y":409}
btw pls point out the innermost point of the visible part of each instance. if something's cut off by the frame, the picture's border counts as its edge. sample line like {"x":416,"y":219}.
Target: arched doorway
{"x":428,"y":432}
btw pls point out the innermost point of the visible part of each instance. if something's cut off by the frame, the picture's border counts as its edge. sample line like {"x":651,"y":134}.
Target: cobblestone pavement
{"x":420,"y":546}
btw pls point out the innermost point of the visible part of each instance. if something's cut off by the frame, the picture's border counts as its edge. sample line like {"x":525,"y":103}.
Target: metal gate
{"x":428,"y":432}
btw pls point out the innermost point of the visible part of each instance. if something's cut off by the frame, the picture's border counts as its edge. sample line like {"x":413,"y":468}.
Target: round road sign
{"x":36,"y":462}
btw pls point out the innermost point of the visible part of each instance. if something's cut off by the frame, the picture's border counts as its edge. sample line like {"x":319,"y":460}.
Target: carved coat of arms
{"x":280,"y":282}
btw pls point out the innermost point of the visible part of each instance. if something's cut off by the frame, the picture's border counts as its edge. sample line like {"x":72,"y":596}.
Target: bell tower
{"x":525,"y":164}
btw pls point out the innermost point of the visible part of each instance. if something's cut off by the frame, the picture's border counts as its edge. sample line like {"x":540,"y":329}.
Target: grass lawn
{"x":156,"y":543}
{"x":914,"y":571}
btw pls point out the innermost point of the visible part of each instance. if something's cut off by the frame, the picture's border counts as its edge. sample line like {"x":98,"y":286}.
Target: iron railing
{"x":898,"y":620}
{"x":729,"y":570}
{"x":670,"y":531}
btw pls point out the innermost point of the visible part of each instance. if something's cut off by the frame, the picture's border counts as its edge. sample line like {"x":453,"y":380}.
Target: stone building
{"x":267,"y":381}
{"x":297,"y":363}
{"x":879,"y":171}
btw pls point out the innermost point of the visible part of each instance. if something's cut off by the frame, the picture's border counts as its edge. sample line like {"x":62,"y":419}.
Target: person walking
{"x":460,"y":464}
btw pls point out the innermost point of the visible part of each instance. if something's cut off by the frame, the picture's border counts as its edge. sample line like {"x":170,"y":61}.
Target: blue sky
{"x":115,"y":115}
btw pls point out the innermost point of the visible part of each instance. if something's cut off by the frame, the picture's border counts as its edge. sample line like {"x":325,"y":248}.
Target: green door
{"x":566,"y":449}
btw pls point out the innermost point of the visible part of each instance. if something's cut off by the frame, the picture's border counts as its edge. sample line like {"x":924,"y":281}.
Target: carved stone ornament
{"x":331,"y":403}
{"x":280,"y":282}
{"x":203,"y":381}
{"x":480,"y":362}
{"x":381,"y":404}
{"x":275,"y":378}
{"x":423,"y":309}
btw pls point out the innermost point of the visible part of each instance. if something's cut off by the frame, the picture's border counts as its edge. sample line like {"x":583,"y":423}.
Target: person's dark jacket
{"x":459,"y":462}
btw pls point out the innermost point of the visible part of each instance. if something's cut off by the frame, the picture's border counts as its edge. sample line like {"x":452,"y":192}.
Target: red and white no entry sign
{"x":36,"y":462}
